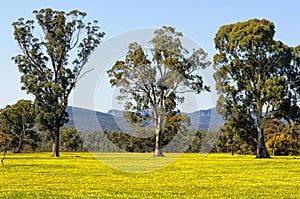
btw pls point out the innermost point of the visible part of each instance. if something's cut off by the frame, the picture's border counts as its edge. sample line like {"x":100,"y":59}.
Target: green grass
{"x":81,"y":175}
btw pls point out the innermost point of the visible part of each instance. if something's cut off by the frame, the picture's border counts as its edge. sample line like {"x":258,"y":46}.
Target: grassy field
{"x":81,"y":175}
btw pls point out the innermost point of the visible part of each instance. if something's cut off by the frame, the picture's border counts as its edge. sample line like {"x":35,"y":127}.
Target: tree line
{"x":281,"y":138}
{"x":257,"y":79}
{"x":19,"y":129}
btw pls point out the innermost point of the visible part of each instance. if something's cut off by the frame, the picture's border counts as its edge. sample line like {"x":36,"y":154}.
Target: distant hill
{"x":205,"y":119}
{"x":89,"y":121}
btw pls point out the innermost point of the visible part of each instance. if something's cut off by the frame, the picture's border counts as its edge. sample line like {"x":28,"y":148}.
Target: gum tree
{"x":18,"y":121}
{"x":253,"y":75}
{"x":52,"y":60}
{"x":295,"y":83}
{"x":152,"y":80}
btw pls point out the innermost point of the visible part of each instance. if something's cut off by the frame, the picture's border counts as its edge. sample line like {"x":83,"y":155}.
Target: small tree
{"x":18,"y":122}
{"x":253,"y":75}
{"x":52,"y":62}
{"x":279,"y":144}
{"x":229,"y":137}
{"x":5,"y":145}
{"x":154,"y":82}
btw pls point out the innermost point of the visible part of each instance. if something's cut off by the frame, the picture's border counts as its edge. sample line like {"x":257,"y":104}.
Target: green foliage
{"x":52,"y":62}
{"x":229,"y":139}
{"x":142,"y":144}
{"x":254,"y":73}
{"x":238,"y":138}
{"x":17,"y":121}
{"x":295,"y":82}
{"x":71,"y":140}
{"x":80,"y":175}
{"x":141,"y":78}
{"x":97,"y":141}
{"x":197,"y":142}
{"x":143,"y":141}
{"x":120,"y":139}
{"x":5,"y":142}
{"x":281,"y":138}
{"x":294,"y":130}
{"x":156,"y":79}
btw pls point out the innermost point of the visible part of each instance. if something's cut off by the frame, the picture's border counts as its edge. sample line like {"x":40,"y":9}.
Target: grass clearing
{"x":81,"y":175}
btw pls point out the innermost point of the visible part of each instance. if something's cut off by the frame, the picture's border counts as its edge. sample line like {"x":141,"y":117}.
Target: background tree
{"x":295,"y":137}
{"x":33,"y":141}
{"x":18,"y":121}
{"x":52,"y":62}
{"x":98,"y":142}
{"x":253,"y":75}
{"x":282,"y":138}
{"x":197,"y":141}
{"x":121,"y":140}
{"x":142,"y":144}
{"x":279,"y":144}
{"x":71,"y":139}
{"x":236,"y":137}
{"x":155,"y":79}
{"x":5,"y":145}
{"x":144,"y":138}
{"x":176,"y":136}
{"x":229,"y":138}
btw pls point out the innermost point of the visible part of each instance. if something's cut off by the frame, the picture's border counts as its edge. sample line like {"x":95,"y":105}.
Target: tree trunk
{"x":3,"y":158}
{"x":158,"y":123}
{"x":19,"y":148}
{"x":158,"y":151}
{"x":55,"y":145}
{"x":261,"y":151}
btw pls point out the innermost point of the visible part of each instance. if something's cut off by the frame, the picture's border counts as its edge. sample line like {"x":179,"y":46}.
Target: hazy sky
{"x":198,"y":20}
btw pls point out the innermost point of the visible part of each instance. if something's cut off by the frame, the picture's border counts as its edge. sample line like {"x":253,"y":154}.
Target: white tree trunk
{"x":158,"y":150}
{"x":261,"y":151}
{"x":158,"y":123}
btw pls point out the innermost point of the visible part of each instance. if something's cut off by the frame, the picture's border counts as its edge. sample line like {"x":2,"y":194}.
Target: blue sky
{"x":198,"y":20}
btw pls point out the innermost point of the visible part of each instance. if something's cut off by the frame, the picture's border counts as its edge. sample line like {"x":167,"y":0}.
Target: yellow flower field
{"x":84,"y":175}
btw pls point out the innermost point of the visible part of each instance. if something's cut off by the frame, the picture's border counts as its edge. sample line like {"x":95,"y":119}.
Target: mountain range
{"x":87,"y":120}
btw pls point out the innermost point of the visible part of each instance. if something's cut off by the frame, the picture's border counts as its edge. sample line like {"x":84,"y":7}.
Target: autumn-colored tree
{"x":279,"y":144}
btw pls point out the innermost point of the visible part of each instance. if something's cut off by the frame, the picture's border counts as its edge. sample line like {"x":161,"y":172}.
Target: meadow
{"x":86,"y":175}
